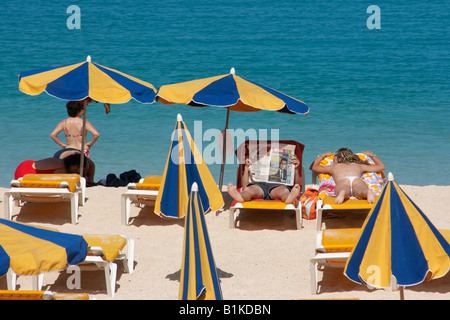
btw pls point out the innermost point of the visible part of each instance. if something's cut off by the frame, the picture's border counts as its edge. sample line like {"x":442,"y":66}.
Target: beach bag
{"x":309,"y":203}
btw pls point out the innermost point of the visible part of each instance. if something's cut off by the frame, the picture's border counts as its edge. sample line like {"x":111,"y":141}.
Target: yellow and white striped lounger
{"x":265,"y":146}
{"x":103,"y":252}
{"x":325,"y":204}
{"x":47,"y":188}
{"x":142,"y":193}
{"x":333,"y":248}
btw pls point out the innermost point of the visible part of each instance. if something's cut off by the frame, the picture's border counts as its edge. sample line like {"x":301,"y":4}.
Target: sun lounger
{"x":325,"y":204}
{"x":47,"y":188}
{"x":41,"y":295}
{"x":142,"y":193}
{"x":266,"y":204}
{"x":103,"y":252}
{"x":333,"y":248}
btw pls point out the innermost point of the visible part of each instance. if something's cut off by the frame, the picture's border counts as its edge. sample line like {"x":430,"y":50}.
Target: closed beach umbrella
{"x":184,"y":166}
{"x":198,"y":278}
{"x":233,"y":93}
{"x":83,"y":80}
{"x":398,"y":245}
{"x":30,"y":250}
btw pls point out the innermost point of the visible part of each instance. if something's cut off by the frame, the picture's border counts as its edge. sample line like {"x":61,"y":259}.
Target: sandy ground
{"x":264,"y":258}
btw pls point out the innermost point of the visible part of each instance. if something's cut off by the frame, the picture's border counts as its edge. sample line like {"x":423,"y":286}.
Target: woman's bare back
{"x":73,"y":129}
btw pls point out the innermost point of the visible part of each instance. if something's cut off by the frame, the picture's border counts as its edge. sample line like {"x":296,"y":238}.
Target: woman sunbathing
{"x":266,"y":191}
{"x":346,"y":171}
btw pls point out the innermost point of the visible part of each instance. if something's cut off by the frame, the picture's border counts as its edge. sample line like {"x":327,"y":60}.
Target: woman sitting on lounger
{"x":266,"y":191}
{"x":346,"y":172}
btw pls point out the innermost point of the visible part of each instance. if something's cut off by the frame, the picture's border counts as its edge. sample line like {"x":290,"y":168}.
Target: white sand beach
{"x":264,"y":258}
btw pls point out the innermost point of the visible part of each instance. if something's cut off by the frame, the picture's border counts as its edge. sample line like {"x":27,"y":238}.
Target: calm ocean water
{"x":385,"y":90}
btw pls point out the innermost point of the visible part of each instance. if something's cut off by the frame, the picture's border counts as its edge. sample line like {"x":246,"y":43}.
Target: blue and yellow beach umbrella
{"x":198,"y":278}
{"x":184,"y":166}
{"x":398,"y":245}
{"x":29,"y":250}
{"x":79,"y":81}
{"x":86,"y":79}
{"x":233,"y":93}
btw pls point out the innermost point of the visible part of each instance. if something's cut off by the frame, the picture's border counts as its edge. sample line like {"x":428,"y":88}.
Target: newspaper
{"x":274,"y":166}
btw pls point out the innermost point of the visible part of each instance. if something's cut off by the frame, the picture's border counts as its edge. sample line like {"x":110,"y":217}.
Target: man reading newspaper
{"x":275,"y":177}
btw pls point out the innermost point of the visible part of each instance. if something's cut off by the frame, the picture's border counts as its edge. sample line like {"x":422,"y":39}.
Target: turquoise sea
{"x":385,"y":90}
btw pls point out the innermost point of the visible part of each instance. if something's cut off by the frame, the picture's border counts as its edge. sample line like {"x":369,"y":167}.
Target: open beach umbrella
{"x":233,"y":93}
{"x":29,"y":250}
{"x":398,"y":245}
{"x":79,"y":81}
{"x":198,"y":278}
{"x":184,"y":166}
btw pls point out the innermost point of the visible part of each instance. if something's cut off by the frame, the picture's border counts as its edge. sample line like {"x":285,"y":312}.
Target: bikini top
{"x":72,"y":135}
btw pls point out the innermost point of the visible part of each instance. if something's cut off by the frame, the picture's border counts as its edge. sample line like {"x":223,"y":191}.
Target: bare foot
{"x":370,"y":196}
{"x":293,"y":194}
{"x":232,"y":191}
{"x":340,"y":197}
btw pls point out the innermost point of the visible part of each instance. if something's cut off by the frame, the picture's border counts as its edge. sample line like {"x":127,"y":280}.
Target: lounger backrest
{"x":66,"y":180}
{"x":110,"y":244}
{"x":149,"y":183}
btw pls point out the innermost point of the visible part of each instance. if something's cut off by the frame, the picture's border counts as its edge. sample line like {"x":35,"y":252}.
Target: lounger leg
{"x":11,"y":280}
{"x":298,"y":218}
{"x":9,"y":204}
{"x":232,"y":218}
{"x":74,"y":208}
{"x":319,"y":219}
{"x":110,"y":277}
{"x":126,"y":204}
{"x":83,"y":191}
{"x":128,"y":263}
{"x":313,"y":272}
{"x":37,"y":281}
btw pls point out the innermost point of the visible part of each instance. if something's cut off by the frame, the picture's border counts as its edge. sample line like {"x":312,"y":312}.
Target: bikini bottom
{"x":350,"y":179}
{"x":58,"y":154}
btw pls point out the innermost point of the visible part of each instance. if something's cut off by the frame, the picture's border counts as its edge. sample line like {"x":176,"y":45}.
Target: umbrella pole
{"x":222,"y":166}
{"x":83,"y":140}
{"x":402,"y":293}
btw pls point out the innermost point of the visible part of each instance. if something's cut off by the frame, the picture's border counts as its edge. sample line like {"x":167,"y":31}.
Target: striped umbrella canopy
{"x":86,"y":79}
{"x":184,"y":166}
{"x":398,"y":245}
{"x":29,"y":250}
{"x":198,"y":278}
{"x":76,"y":82}
{"x":233,"y":93}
